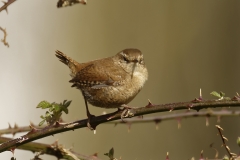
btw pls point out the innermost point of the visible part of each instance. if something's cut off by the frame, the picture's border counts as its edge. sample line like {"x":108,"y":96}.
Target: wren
{"x":109,"y":82}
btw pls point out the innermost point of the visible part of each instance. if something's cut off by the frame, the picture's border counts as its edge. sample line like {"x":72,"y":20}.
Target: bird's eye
{"x":125,"y":59}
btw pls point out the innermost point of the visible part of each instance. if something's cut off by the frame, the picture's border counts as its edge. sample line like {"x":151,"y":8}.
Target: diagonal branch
{"x":224,"y":139}
{"x":54,"y":149}
{"x":4,"y":37}
{"x":35,"y":134}
{"x":6,"y":4}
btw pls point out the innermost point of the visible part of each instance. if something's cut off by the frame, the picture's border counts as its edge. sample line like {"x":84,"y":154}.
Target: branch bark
{"x":6,"y":4}
{"x":35,"y":134}
{"x":157,"y":119}
{"x":54,"y":150}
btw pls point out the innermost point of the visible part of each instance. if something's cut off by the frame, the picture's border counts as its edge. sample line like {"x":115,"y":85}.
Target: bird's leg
{"x":127,"y":112}
{"x":89,"y":115}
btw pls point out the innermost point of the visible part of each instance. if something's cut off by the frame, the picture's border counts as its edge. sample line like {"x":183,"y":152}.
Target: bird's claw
{"x":90,"y":116}
{"x":128,"y":112}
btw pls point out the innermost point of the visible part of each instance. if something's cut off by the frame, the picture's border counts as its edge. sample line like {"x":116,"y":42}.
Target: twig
{"x":6,"y":4}
{"x":54,"y":149}
{"x":150,"y":108}
{"x":157,"y":119}
{"x":224,"y":139}
{"x":65,"y":3}
{"x":5,"y":36}
{"x":17,"y":129}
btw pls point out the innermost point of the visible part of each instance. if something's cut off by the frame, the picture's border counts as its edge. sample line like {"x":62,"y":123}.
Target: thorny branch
{"x":6,"y":4}
{"x":54,"y":149}
{"x":224,"y":139}
{"x":4,"y":37}
{"x":157,"y":119}
{"x":5,"y":7}
{"x":149,"y":108}
{"x":178,"y":116}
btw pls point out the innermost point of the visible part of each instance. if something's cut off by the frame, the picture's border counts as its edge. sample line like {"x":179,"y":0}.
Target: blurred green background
{"x":187,"y":45}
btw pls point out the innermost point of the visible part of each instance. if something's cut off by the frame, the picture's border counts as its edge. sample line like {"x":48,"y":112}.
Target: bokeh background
{"x":187,"y":45}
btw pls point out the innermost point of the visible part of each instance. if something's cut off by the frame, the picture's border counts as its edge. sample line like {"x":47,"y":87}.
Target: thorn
{"x":218,"y":119}
{"x":235,"y":98}
{"x":179,"y":123}
{"x":156,"y":123}
{"x":55,"y":144}
{"x":129,"y":127}
{"x":225,"y":138}
{"x":15,"y":126}
{"x":218,"y":127}
{"x":149,"y":104}
{"x":200,"y":94}
{"x":33,"y":130}
{"x":95,"y":155}
{"x":6,"y":10}
{"x":228,"y":148}
{"x":201,"y":154}
{"x":196,"y":100}
{"x":237,"y":94}
{"x":190,"y":106}
{"x":167,"y":157}
{"x":171,"y":109}
{"x":12,"y":150}
{"x":207,"y":121}
{"x":9,"y":126}
{"x":32,"y":124}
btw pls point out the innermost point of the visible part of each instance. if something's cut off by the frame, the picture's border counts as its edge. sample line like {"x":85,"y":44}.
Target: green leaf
{"x":216,"y":94}
{"x":67,"y":103}
{"x":44,"y":104}
{"x":42,"y":117}
{"x":41,"y":123}
{"x":225,"y":157}
{"x":64,"y":109}
{"x":110,"y":154}
{"x":222,"y":94}
{"x":54,"y":112}
{"x":57,"y":108}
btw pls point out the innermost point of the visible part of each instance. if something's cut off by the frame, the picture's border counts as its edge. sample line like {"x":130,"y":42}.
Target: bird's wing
{"x":97,"y":75}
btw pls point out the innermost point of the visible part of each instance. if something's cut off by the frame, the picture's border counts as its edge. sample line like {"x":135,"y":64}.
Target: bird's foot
{"x":127,"y":112}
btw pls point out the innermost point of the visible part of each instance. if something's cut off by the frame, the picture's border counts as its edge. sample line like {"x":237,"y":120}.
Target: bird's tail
{"x":73,"y":65}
